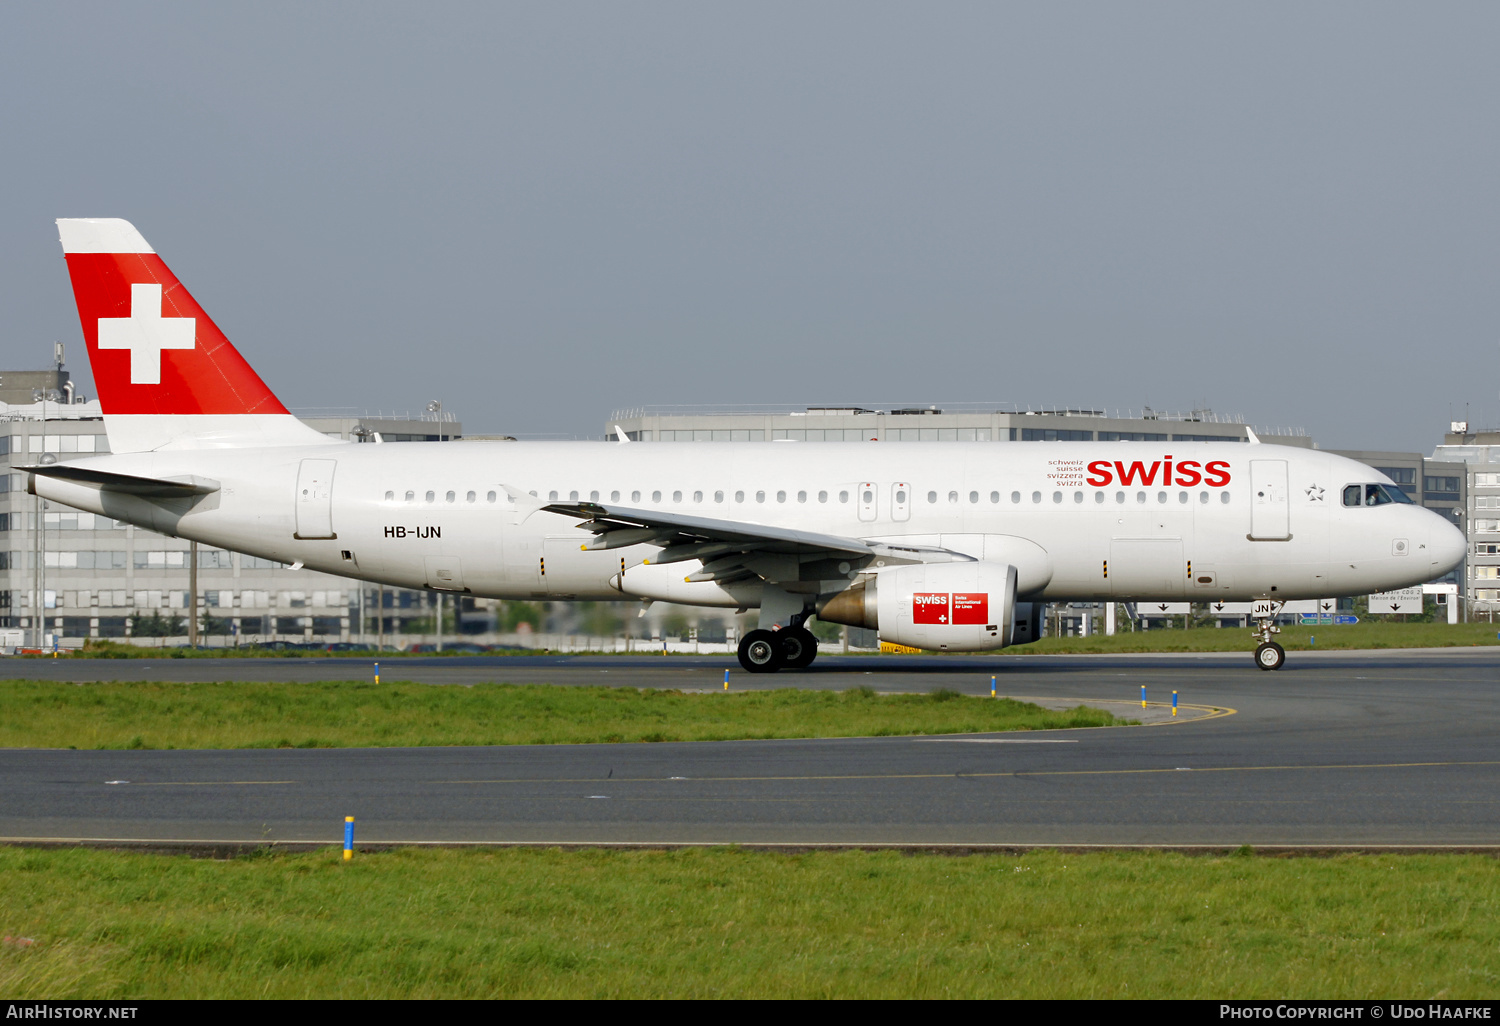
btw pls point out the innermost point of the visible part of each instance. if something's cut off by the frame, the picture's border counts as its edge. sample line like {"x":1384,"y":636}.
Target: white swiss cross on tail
{"x":146,"y":333}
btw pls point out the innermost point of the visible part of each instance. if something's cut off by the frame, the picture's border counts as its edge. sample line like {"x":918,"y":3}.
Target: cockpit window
{"x":1374,"y":495}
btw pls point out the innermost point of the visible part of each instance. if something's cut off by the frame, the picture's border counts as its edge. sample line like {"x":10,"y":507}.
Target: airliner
{"x":950,"y":548}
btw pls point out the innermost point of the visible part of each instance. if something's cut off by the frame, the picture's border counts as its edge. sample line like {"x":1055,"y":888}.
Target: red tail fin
{"x":165,"y":373}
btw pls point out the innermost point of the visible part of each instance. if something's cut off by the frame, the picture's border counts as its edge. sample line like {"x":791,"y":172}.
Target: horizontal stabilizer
{"x":129,"y":484}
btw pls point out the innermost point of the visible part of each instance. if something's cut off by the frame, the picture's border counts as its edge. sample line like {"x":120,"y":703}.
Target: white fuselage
{"x":438,"y":514}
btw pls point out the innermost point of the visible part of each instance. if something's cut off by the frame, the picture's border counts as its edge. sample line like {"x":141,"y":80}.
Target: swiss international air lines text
{"x":950,"y":608}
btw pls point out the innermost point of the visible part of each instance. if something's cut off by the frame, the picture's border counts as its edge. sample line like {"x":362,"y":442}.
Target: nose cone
{"x":1447,"y":545}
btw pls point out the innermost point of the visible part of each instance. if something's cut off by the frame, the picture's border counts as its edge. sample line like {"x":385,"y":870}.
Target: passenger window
{"x":489,"y":496}
{"x":1161,"y":496}
{"x":843,"y":496}
{"x":432,"y":496}
{"x":614,"y":496}
{"x":1036,"y":496}
{"x":1182,"y":497}
{"x":1224,"y":498}
{"x":390,"y":496}
{"x":973,"y":496}
{"x":550,"y":495}
{"x":994,"y":497}
{"x":572,"y":497}
{"x":1015,"y":496}
{"x":593,"y":496}
{"x":1203,"y":497}
{"x":676,"y":496}
{"x":1119,"y":497}
{"x":822,"y":496}
{"x":411,"y":496}
{"x":900,"y":496}
{"x":635,"y":496}
{"x":697,"y":496}
{"x":1099,"y":498}
{"x":1077,"y":497}
{"x":1140,"y":496}
{"x":1057,"y":496}
{"x":451,"y":496}
{"x":718,"y":496}
{"x":656,"y":496}
{"x":932,"y":496}
{"x":739,"y":496}
{"x":760,"y":496}
{"x":781,"y":496}
{"x":470,"y":497}
{"x":801,"y":496}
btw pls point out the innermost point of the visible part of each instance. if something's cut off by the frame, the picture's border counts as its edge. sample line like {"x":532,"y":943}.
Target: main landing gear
{"x":768,"y":651}
{"x":1268,"y":654}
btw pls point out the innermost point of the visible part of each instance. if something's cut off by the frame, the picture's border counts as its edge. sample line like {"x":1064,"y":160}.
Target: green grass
{"x":45,"y":714}
{"x":1363,"y":635}
{"x":729,"y":923}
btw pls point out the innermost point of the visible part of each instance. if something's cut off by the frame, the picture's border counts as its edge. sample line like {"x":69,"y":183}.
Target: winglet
{"x":1250,"y":432}
{"x":620,"y":433}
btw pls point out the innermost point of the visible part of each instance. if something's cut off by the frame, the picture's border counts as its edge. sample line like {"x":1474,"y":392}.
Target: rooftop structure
{"x":947,"y":422}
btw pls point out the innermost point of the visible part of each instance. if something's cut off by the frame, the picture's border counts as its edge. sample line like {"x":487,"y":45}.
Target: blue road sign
{"x":1346,"y":619}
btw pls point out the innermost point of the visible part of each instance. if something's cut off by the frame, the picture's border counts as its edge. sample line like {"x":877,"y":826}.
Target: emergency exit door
{"x":1270,"y":518}
{"x":315,"y":499}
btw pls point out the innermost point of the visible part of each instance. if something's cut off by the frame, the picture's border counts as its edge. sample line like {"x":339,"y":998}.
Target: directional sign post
{"x":1388,"y":603}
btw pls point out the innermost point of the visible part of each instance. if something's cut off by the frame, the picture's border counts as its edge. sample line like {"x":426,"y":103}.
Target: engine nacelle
{"x":950,"y":607}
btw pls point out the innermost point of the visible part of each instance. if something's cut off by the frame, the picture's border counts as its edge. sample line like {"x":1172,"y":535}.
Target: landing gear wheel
{"x":1270,"y":656}
{"x":761,"y":652}
{"x":798,"y":647}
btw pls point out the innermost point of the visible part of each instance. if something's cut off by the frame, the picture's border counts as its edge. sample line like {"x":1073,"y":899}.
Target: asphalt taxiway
{"x":1397,"y":748}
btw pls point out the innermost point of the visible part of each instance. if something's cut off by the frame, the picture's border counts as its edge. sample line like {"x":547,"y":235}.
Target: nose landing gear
{"x":1268,"y":654}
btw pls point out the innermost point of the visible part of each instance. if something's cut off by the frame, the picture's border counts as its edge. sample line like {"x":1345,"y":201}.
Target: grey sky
{"x":540,"y":213}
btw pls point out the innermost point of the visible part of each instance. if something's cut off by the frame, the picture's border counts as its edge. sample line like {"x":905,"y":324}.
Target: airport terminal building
{"x":73,"y":575}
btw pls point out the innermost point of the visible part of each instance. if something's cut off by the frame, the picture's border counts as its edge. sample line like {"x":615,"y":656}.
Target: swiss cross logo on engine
{"x":957,"y":608}
{"x":930,"y":607}
{"x":146,"y":333}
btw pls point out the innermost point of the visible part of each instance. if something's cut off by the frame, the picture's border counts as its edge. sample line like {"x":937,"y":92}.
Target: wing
{"x":732,"y":549}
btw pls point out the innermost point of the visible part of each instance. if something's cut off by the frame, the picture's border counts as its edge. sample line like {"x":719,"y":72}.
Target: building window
{"x":1055,"y":435}
{"x":1131,"y":436}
